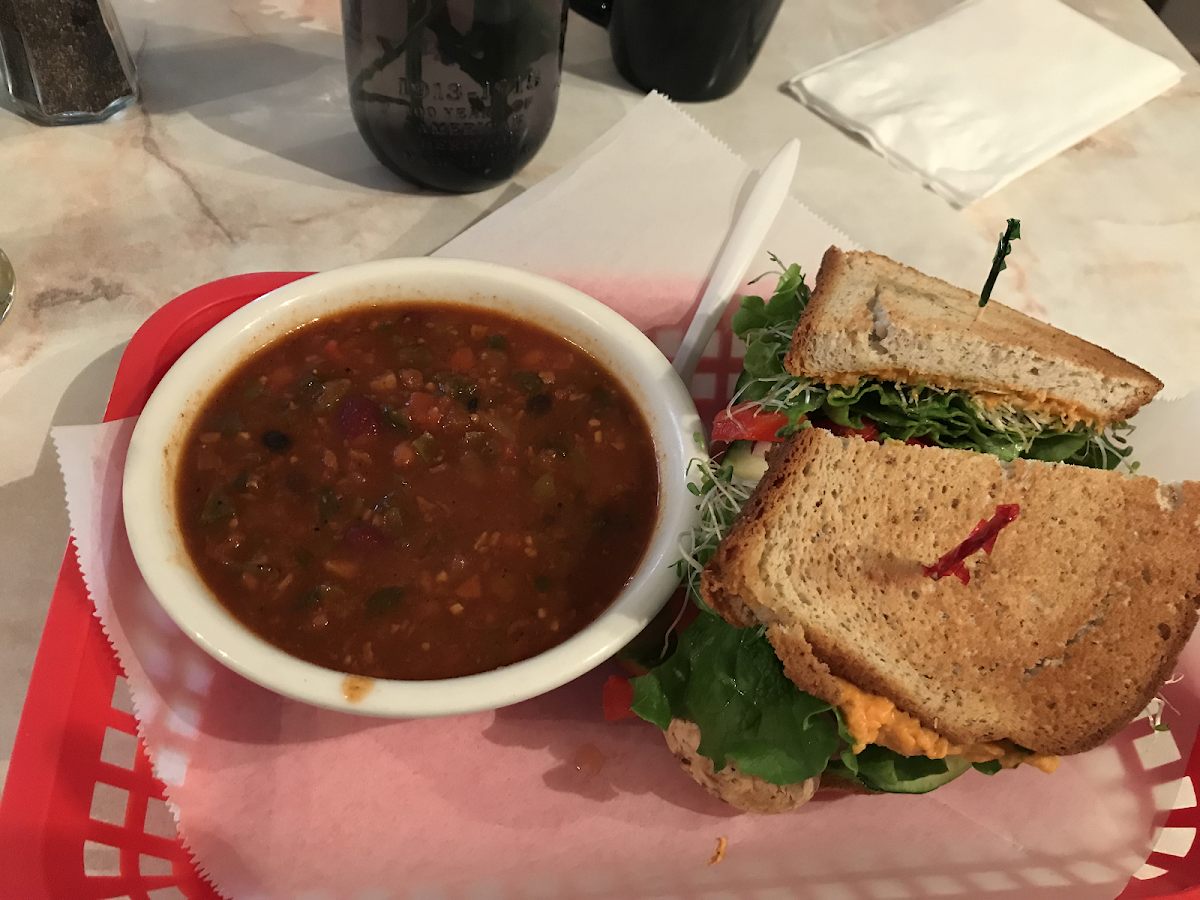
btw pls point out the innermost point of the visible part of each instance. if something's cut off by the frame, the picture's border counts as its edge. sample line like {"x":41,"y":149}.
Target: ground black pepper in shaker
{"x":65,"y":60}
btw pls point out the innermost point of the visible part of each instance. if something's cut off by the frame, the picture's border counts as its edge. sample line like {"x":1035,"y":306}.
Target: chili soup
{"x":418,"y":492}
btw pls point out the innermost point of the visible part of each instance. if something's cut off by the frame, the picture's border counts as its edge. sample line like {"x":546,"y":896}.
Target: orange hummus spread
{"x":872,"y":719}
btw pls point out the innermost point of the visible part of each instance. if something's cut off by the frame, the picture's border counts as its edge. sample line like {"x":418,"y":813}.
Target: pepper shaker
{"x":65,"y":61}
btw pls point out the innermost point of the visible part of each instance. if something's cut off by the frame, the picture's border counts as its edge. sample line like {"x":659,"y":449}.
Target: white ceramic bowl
{"x":154,"y":453}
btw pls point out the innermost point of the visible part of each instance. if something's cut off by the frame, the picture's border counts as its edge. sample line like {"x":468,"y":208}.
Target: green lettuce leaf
{"x":901,"y":412}
{"x":947,"y":419}
{"x":882,"y":770}
{"x":731,"y":684}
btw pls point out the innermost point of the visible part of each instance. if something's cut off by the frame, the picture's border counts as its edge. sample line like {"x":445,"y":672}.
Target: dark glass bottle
{"x":456,"y":95}
{"x":690,"y":50}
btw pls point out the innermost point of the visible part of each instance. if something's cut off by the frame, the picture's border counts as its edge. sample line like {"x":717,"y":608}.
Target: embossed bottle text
{"x":456,"y":95}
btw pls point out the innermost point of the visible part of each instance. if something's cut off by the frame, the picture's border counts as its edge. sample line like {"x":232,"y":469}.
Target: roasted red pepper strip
{"x":617,"y":699}
{"x":869,"y":431}
{"x":983,"y":537}
{"x":747,"y":422}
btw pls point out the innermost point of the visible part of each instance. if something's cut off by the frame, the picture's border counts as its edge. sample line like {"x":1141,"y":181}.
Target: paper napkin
{"x":638,"y":219}
{"x":986,"y":92}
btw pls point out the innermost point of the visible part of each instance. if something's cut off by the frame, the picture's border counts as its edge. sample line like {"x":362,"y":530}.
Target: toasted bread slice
{"x":1064,"y":633}
{"x":748,"y":793}
{"x":870,"y":316}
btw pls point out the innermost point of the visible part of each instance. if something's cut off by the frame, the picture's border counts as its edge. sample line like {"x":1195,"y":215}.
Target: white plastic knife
{"x":745,"y":238}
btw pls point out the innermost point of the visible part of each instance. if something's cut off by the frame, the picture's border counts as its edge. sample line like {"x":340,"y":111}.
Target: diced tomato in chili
{"x":469,"y":589}
{"x":982,"y":537}
{"x":462,"y":360}
{"x":423,"y":409}
{"x":280,"y":377}
{"x":747,"y":422}
{"x":333,"y":353}
{"x":617,"y":699}
{"x":533,"y":359}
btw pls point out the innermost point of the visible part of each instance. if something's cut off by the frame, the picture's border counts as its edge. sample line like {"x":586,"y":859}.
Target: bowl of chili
{"x":414,"y":487}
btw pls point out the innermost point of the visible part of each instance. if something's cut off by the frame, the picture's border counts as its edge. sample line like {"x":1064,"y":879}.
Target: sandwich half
{"x":919,"y":360}
{"x":897,"y":418}
{"x":1061,"y":635}
{"x":872,"y":318}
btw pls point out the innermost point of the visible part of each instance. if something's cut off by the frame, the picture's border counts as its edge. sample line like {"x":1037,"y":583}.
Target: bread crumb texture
{"x":719,"y":854}
{"x":1065,"y":632}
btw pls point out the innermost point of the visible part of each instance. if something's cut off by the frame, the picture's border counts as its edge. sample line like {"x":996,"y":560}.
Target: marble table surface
{"x":242,"y":156}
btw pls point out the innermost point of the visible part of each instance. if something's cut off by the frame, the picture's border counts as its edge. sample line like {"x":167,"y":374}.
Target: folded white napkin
{"x":986,"y":92}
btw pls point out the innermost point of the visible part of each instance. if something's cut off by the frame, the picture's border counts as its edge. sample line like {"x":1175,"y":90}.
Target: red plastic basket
{"x":77,"y":706}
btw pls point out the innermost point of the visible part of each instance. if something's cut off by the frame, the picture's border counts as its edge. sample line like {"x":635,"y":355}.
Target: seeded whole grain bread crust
{"x":1063,"y":635}
{"x":872,"y":317}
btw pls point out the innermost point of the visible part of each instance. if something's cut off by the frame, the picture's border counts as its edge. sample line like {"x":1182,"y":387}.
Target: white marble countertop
{"x":242,"y":156}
